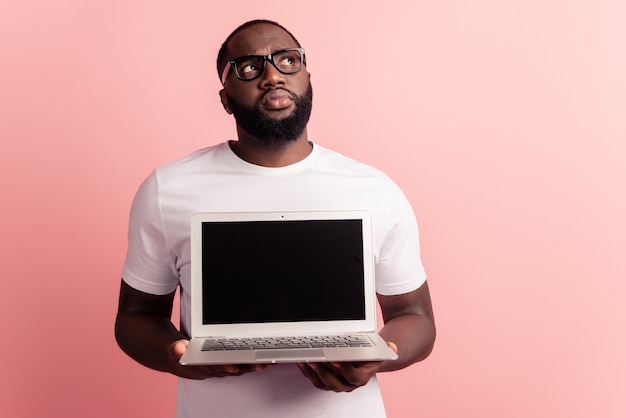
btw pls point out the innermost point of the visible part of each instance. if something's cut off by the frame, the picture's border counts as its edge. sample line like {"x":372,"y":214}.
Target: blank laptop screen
{"x":282,"y":271}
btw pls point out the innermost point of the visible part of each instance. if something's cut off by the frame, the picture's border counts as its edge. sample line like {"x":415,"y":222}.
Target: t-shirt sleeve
{"x":399,"y":266}
{"x":150,"y":266}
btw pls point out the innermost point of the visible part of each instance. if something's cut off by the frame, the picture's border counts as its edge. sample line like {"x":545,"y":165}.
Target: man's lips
{"x":277,"y":99}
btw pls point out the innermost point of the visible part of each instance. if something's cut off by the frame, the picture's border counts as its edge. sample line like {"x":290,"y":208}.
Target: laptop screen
{"x":282,"y":271}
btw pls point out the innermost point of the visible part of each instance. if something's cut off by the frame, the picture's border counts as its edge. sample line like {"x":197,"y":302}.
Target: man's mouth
{"x":277,"y":99}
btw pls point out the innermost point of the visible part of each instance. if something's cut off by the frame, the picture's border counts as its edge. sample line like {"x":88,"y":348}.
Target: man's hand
{"x":144,"y":331}
{"x":176,"y":350}
{"x":341,"y":377}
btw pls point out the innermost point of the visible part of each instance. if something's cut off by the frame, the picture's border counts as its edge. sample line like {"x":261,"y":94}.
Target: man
{"x":272,"y":166}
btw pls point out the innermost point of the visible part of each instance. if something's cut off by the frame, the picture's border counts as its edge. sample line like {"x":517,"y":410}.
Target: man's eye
{"x":248,"y":68}
{"x":287,"y":62}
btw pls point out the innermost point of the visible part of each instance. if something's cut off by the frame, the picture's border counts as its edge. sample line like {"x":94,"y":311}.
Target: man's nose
{"x":271,"y":76}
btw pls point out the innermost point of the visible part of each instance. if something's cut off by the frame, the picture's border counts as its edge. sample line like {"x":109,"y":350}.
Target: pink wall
{"x":502,"y":121}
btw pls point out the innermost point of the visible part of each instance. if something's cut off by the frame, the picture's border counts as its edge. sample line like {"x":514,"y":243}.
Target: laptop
{"x":283,"y":287}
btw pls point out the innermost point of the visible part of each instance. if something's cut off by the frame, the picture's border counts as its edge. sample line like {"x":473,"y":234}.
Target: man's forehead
{"x":261,"y":39}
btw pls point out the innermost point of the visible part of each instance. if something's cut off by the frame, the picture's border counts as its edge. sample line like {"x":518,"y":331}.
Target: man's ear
{"x":224,"y":100}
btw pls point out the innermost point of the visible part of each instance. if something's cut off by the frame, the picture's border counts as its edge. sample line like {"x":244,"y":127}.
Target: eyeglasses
{"x":250,"y":67}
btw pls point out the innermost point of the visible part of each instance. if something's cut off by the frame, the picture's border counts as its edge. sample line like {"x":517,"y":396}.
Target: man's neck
{"x":282,"y":155}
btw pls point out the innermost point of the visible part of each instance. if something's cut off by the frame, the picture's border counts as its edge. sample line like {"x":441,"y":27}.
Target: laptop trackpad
{"x":304,"y":354}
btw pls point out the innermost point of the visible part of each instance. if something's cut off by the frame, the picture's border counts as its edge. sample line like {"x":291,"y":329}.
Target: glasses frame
{"x":270,"y":57}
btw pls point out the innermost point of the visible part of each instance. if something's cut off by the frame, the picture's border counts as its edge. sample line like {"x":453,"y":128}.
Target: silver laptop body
{"x":282,"y":287}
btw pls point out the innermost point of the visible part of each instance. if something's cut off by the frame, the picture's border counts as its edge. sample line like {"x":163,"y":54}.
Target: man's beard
{"x":270,"y":131}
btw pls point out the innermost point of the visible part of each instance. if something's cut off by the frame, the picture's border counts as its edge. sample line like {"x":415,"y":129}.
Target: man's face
{"x":274,"y":108}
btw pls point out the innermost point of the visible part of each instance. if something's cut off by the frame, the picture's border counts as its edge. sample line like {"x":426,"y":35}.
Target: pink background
{"x":502,"y":121}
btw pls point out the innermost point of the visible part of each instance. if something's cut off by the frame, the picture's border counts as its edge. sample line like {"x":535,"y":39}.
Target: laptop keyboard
{"x":267,"y":343}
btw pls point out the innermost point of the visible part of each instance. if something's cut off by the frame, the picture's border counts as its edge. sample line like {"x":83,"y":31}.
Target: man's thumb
{"x":178,"y":348}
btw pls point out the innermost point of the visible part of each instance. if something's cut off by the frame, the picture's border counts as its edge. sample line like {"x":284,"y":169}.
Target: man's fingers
{"x":310,"y":374}
{"x":326,"y":378}
{"x":393,"y":346}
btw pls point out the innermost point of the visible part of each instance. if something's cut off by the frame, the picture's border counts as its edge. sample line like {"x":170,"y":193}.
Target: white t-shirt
{"x":214,"y":179}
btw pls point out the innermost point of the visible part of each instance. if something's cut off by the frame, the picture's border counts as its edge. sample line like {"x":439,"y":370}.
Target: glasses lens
{"x":288,"y":61}
{"x":249,"y":68}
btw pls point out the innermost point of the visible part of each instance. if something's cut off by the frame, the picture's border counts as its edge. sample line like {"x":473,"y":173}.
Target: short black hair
{"x":221,"y":55}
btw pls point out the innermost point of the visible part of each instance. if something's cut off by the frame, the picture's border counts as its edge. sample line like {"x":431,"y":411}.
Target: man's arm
{"x":144,"y":331}
{"x":410,"y":325}
{"x":410,"y":330}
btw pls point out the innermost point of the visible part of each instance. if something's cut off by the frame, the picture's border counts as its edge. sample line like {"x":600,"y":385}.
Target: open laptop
{"x":283,"y":287}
